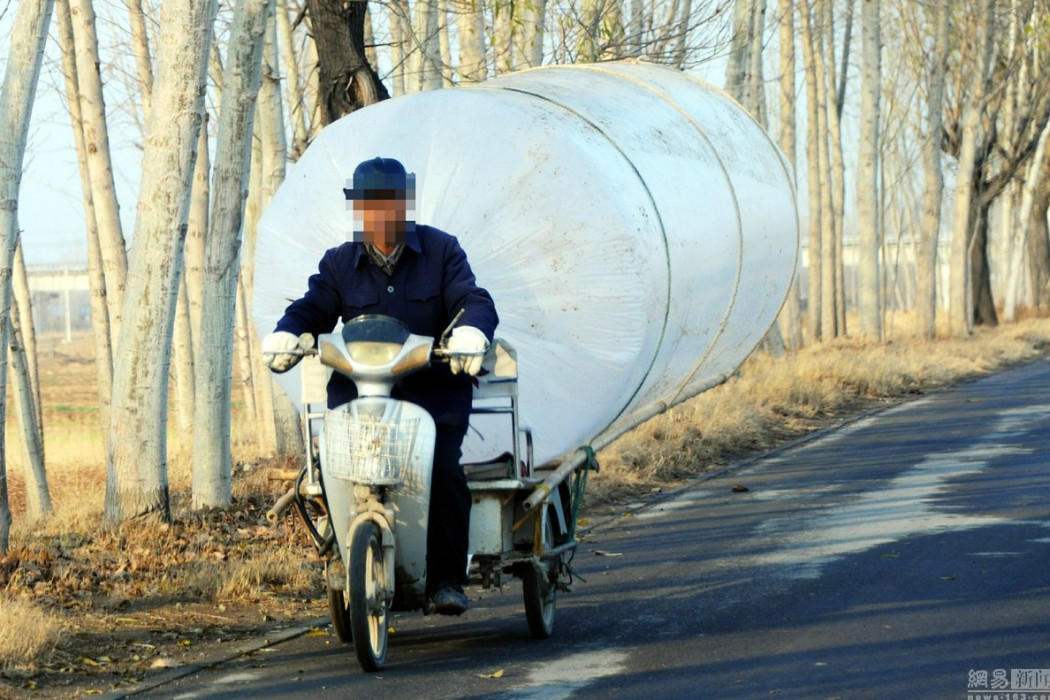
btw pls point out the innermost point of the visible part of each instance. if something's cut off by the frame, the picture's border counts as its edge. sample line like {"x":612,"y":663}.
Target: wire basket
{"x":366,"y":449}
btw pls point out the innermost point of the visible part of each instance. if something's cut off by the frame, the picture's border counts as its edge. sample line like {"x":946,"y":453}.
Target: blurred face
{"x":381,"y":222}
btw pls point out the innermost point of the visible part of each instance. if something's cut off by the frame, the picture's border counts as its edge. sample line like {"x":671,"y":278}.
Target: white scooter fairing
{"x":410,"y":500}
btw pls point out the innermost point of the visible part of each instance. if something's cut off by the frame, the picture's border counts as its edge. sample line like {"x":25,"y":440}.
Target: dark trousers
{"x":449,"y":526}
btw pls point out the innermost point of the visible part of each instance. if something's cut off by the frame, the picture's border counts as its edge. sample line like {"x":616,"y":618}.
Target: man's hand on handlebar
{"x":281,"y":351}
{"x":470,"y":341}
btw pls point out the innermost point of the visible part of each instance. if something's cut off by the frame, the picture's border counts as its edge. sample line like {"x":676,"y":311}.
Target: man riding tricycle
{"x":386,"y":499}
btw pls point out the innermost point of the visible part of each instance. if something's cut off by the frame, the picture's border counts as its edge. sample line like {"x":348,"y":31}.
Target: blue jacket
{"x":431,"y":283}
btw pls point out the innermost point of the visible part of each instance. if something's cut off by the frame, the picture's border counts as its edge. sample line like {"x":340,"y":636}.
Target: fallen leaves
{"x":165,"y":662}
{"x":494,"y":674}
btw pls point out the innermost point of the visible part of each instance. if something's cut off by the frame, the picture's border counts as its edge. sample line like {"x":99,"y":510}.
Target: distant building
{"x":61,"y":298}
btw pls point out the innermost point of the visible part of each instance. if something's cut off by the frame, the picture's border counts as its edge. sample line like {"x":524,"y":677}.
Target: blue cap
{"x":381,"y":178}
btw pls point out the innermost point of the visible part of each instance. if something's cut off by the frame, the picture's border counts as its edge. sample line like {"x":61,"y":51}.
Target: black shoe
{"x":450,"y":600}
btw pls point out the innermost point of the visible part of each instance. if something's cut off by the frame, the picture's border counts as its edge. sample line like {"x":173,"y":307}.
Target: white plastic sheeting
{"x":636,"y":228}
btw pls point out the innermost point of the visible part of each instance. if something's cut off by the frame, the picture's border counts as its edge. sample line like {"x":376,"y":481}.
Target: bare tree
{"x":814,"y":253}
{"x":470,"y":25}
{"x":935,"y":69}
{"x":23,"y":300}
{"x":140,"y":47}
{"x":834,"y":100}
{"x":530,"y":36}
{"x":212,"y":462}
{"x":744,"y":69}
{"x":16,"y":105}
{"x":25,"y":379}
{"x":293,"y":80}
{"x":137,"y":479}
{"x":38,"y":497}
{"x":503,"y":25}
{"x":425,"y":65}
{"x":991,"y":135}
{"x":791,"y":316}
{"x":1032,"y":183}
{"x":870,"y":298}
{"x":99,"y":159}
{"x":960,"y":311}
{"x":1037,"y":242}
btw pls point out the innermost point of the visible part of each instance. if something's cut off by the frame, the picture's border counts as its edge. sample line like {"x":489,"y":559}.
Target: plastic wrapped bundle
{"x":636,"y":228}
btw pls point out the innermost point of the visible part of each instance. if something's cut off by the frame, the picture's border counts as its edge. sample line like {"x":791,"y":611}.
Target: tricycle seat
{"x":495,"y":394}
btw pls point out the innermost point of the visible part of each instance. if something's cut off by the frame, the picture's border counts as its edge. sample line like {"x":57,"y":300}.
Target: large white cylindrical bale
{"x":635,"y":227}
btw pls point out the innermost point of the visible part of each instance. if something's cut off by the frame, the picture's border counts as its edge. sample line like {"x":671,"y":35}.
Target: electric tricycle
{"x":363,"y":492}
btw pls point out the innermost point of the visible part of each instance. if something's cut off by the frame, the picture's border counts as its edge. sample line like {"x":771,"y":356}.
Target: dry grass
{"x":27,"y":632}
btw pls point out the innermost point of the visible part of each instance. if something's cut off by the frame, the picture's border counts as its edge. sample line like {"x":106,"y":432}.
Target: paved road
{"x":904,"y":556}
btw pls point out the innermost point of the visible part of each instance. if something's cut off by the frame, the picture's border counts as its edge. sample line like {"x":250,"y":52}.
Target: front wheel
{"x":368,"y":606}
{"x":539,"y":585}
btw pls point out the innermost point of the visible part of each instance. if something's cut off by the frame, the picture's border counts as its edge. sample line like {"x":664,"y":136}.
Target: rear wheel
{"x":340,"y":615}
{"x":368,"y":608}
{"x":538,"y":585}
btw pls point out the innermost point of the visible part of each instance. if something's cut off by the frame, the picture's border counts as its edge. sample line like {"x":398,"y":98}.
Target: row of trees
{"x":945,"y":87}
{"x":252,"y":84}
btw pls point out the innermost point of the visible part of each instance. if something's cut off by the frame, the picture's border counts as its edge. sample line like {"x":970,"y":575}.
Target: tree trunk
{"x":825,"y":110}
{"x":814,"y":254}
{"x":681,"y":31}
{"x":38,"y":498}
{"x":444,"y":50}
{"x":23,"y":300}
{"x":503,"y":35}
{"x":838,"y":168}
{"x":254,"y":375}
{"x":425,"y":60}
{"x":99,"y":161}
{"x":1032,"y":183}
{"x":212,"y":460}
{"x":933,"y":194}
{"x":869,"y":298}
{"x":744,"y":69}
{"x":196,"y":230}
{"x":26,"y":50}
{"x":610,"y":29}
{"x":312,"y":92}
{"x":1038,"y":244}
{"x":984,"y":304}
{"x":137,"y":478}
{"x":962,"y":303}
{"x":288,"y":439}
{"x":347,"y":82}
{"x":736,"y":66}
{"x":100,"y":325}
{"x":182,"y":363}
{"x":531,"y":33}
{"x":756,"y":83}
{"x":369,"y":39}
{"x":470,"y":23}
{"x":791,"y":315}
{"x":400,"y":33}
{"x":470,"y":34}
{"x":296,"y":101}
{"x":140,"y":47}
{"x":960,"y":312}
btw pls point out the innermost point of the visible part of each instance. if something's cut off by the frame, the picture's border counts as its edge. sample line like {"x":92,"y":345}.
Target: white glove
{"x":467,"y":339}
{"x":275,"y":349}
